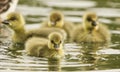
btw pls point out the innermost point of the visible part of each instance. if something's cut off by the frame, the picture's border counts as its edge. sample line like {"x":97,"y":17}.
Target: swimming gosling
{"x":16,"y":22}
{"x":56,"y":19}
{"x":91,"y":30}
{"x":42,"y":47}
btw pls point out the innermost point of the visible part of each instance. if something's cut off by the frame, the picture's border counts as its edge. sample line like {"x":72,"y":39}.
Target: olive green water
{"x":90,"y":58}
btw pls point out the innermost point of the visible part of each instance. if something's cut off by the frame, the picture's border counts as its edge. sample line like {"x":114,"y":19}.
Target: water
{"x":89,"y":58}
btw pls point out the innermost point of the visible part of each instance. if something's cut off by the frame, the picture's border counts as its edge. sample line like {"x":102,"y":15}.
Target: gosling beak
{"x":6,"y":22}
{"x":94,"y":23}
{"x":53,"y":23}
{"x":56,"y":46}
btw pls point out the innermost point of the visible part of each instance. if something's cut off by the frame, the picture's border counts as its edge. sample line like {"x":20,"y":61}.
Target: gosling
{"x":42,"y":47}
{"x":91,"y":30}
{"x":16,"y":22}
{"x":56,"y":19}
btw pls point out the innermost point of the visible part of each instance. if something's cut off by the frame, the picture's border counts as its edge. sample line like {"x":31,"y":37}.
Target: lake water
{"x":81,"y":58}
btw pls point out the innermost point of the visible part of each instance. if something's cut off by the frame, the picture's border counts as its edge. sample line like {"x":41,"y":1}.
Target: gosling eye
{"x":52,"y":41}
{"x":12,"y":18}
{"x":60,"y":42}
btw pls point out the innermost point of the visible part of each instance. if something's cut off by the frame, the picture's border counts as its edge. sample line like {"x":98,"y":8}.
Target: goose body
{"x":7,"y":6}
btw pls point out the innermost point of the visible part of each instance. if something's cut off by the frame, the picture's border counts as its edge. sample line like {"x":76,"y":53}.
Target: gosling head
{"x":56,"y":19}
{"x":90,"y":21}
{"x":55,"y":41}
{"x":14,"y":20}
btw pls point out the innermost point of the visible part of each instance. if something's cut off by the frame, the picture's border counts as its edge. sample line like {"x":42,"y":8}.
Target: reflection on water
{"x":78,"y":57}
{"x":90,"y":54}
{"x":54,"y":64}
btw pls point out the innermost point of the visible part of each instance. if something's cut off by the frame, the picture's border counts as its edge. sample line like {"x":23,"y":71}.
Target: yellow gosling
{"x":42,"y":47}
{"x":91,"y":30}
{"x":16,"y":22}
{"x":56,"y":19}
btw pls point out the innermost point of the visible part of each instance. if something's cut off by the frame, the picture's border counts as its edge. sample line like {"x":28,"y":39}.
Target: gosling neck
{"x":60,"y":24}
{"x":19,"y":35}
{"x":56,"y":53}
{"x":20,"y":30}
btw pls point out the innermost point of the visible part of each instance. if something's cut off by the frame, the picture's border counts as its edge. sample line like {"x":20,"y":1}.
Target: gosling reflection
{"x":14,"y":53}
{"x":90,"y":56}
{"x":89,"y":52}
{"x":54,"y":65}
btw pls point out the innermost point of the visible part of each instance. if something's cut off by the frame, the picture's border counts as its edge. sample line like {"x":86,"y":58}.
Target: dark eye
{"x":52,"y":41}
{"x":89,"y":19}
{"x":13,"y":18}
{"x":60,"y":41}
